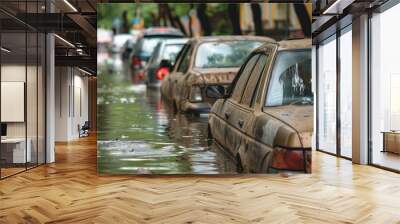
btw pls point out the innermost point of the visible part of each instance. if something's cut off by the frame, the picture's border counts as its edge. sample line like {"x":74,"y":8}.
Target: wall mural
{"x":185,"y":88}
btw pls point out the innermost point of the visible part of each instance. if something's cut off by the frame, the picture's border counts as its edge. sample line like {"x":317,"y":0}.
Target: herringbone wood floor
{"x":70,"y":191}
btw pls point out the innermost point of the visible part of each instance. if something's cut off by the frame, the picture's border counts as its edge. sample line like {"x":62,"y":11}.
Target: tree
{"x":190,"y":25}
{"x":203,"y":18}
{"x":165,"y":13}
{"x":304,"y":19}
{"x":256,"y":11}
{"x":125,"y":23}
{"x":234,"y":15}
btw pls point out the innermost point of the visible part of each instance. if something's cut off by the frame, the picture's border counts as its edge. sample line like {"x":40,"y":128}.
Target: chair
{"x":84,"y":130}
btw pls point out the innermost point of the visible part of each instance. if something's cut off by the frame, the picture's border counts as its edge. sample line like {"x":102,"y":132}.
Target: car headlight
{"x":195,"y":94}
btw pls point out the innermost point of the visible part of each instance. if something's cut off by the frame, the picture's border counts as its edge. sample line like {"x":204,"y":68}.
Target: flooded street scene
{"x":203,"y":89}
{"x":140,"y":133}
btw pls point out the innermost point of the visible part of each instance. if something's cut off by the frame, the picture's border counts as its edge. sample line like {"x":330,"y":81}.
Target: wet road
{"x":138,"y":133}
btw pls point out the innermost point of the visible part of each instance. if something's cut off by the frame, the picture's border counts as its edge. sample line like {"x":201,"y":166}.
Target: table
{"x":391,"y":141}
{"x":16,"y":147}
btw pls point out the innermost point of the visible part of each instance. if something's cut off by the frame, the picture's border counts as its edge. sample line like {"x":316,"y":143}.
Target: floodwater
{"x":139,"y":133}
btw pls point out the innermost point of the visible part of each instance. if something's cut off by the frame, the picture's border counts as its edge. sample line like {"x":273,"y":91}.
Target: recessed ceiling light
{"x":84,"y":71}
{"x":64,"y":40}
{"x":70,"y":5}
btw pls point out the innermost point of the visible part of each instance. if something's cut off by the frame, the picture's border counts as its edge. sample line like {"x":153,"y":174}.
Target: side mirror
{"x":166,"y":64}
{"x":216,"y":92}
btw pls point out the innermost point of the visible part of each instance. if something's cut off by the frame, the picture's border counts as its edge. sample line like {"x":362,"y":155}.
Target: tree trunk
{"x":180,"y":25}
{"x":203,"y":18}
{"x":175,"y":21}
{"x":190,"y":26}
{"x":256,"y":11}
{"x":234,"y":15}
{"x":190,"y":20}
{"x":304,"y":19}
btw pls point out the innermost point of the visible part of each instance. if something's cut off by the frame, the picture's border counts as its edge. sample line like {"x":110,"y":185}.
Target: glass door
{"x":385,"y":89}
{"x":345,"y":93}
{"x":326,"y":96}
{"x":15,"y":149}
{"x":22,"y":95}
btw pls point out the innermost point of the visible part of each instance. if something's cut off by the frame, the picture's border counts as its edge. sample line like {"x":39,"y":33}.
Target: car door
{"x":178,"y":80}
{"x":252,"y":152}
{"x":167,"y":87}
{"x":231,"y":111}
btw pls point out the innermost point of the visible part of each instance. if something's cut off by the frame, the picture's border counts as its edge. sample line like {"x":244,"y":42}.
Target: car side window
{"x":155,"y":54}
{"x":243,"y":77}
{"x":184,"y":65}
{"x":179,"y":56}
{"x":253,"y":81}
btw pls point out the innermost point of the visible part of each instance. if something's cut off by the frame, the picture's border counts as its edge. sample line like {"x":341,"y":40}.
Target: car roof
{"x":232,"y":37}
{"x":294,"y":44}
{"x":287,"y":45}
{"x":162,"y":31}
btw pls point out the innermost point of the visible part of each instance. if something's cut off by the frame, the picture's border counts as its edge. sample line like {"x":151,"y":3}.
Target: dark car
{"x":165,"y":52}
{"x":127,"y":49}
{"x":206,"y":61}
{"x":146,"y":44}
{"x":265,"y":119}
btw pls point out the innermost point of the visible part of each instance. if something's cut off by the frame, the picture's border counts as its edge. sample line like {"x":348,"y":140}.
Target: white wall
{"x":71,"y":94}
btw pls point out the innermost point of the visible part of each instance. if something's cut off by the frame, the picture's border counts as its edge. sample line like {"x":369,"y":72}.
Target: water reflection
{"x":139,"y":133}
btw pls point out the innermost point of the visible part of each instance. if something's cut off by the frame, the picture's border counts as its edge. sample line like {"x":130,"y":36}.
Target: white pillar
{"x":50,"y":92}
{"x":50,"y":99}
{"x":314,"y":90}
{"x":360,"y":90}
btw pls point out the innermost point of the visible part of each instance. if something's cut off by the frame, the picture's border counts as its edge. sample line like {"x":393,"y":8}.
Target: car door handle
{"x":227,"y":115}
{"x":240,"y":123}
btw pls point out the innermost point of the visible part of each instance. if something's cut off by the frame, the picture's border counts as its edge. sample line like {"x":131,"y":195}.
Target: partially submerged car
{"x":265,"y":118}
{"x":146,"y":43}
{"x":162,"y":59}
{"x":206,"y":61}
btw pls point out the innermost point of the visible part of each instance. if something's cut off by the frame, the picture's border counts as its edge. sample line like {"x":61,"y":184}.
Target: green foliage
{"x":180,"y":9}
{"x":217,"y":13}
{"x":219,"y":19}
{"x":107,"y":12}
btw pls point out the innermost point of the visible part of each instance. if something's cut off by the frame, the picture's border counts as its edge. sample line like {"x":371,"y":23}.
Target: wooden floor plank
{"x":71,"y":191}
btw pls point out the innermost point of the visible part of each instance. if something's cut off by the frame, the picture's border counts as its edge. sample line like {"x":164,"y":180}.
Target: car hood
{"x":299,"y":118}
{"x":215,"y":76}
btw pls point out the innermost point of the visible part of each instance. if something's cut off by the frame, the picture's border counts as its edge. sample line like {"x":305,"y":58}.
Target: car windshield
{"x":290,"y":82}
{"x":148,"y":45}
{"x":224,"y":54}
{"x":171,"y":51}
{"x":120,"y":40}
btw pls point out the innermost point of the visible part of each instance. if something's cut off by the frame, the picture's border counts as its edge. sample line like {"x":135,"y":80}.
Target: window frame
{"x":179,"y":56}
{"x":264,"y":100}
{"x":216,"y":41}
{"x":239,"y":74}
{"x":253,"y":95}
{"x":188,"y":50}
